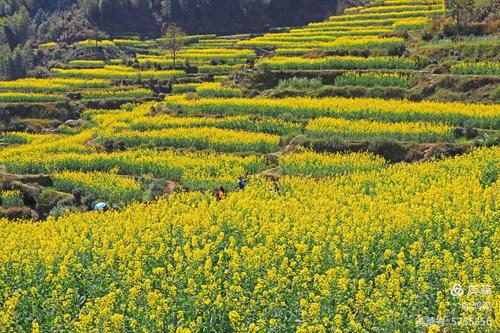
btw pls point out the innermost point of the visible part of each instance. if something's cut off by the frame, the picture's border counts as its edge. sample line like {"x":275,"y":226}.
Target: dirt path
{"x":271,"y":173}
{"x":274,"y":171}
{"x":292,"y":144}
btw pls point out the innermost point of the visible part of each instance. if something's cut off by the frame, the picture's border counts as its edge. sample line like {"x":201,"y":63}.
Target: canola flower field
{"x":372,"y":79}
{"x":318,"y":241}
{"x":106,"y":185}
{"x":378,"y":255}
{"x":484,"y":115}
{"x":115,"y":72}
{"x":365,"y":129}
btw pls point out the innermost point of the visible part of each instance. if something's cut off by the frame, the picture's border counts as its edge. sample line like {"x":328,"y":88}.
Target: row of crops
{"x":193,"y":169}
{"x":325,"y":43}
{"x":338,"y":62}
{"x":207,"y":89}
{"x":50,"y":85}
{"x":373,"y":79}
{"x":116,"y":72}
{"x":200,"y":56}
{"x":372,"y":130}
{"x":256,"y":125}
{"x":220,"y":127}
{"x":378,"y":29}
{"x":485,"y":116}
{"x":366,"y":28}
{"x":107,"y":186}
{"x":201,"y":138}
{"x":26,"y":94}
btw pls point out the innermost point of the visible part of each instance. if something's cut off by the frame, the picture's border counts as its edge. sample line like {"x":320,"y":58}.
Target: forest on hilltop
{"x":195,"y":16}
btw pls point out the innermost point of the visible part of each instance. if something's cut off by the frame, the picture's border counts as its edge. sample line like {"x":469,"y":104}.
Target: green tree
{"x":174,"y":40}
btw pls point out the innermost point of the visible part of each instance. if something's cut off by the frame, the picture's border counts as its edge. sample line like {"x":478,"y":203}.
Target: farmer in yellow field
{"x":220,"y":194}
{"x":241,"y":184}
{"x":101,"y":206}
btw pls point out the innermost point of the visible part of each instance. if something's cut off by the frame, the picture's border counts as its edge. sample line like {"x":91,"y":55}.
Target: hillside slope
{"x":335,"y":177}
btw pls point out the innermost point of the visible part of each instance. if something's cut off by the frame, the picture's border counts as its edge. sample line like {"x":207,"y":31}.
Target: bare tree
{"x":462,"y":11}
{"x":173,"y":40}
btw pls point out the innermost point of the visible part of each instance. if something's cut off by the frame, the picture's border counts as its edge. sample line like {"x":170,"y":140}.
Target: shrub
{"x":495,"y":94}
{"x":427,"y":36}
{"x":396,"y":51}
{"x":184,"y":88}
{"x":300,"y":84}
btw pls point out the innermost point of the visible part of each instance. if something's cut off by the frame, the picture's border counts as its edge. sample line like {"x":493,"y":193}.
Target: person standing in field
{"x":241,"y":184}
{"x":219,"y":195}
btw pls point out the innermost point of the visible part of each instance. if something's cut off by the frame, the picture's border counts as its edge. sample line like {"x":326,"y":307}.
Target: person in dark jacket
{"x":241,"y":184}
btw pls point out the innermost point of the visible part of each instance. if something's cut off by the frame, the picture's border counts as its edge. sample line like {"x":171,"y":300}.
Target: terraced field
{"x":359,"y":212}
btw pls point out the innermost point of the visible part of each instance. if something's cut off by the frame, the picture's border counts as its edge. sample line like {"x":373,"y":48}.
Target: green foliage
{"x":322,"y":165}
{"x":476,"y":68}
{"x":13,"y":63}
{"x":495,"y":94}
{"x":217,"y":69}
{"x":57,"y":17}
{"x":15,"y":97}
{"x":173,"y":40}
{"x":372,"y":80}
{"x":107,"y":186}
{"x":11,"y":198}
{"x":300,"y":84}
{"x":184,"y":88}
{"x":338,"y":62}
{"x":489,"y":174}
{"x":15,"y":138}
{"x":217,"y":90}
